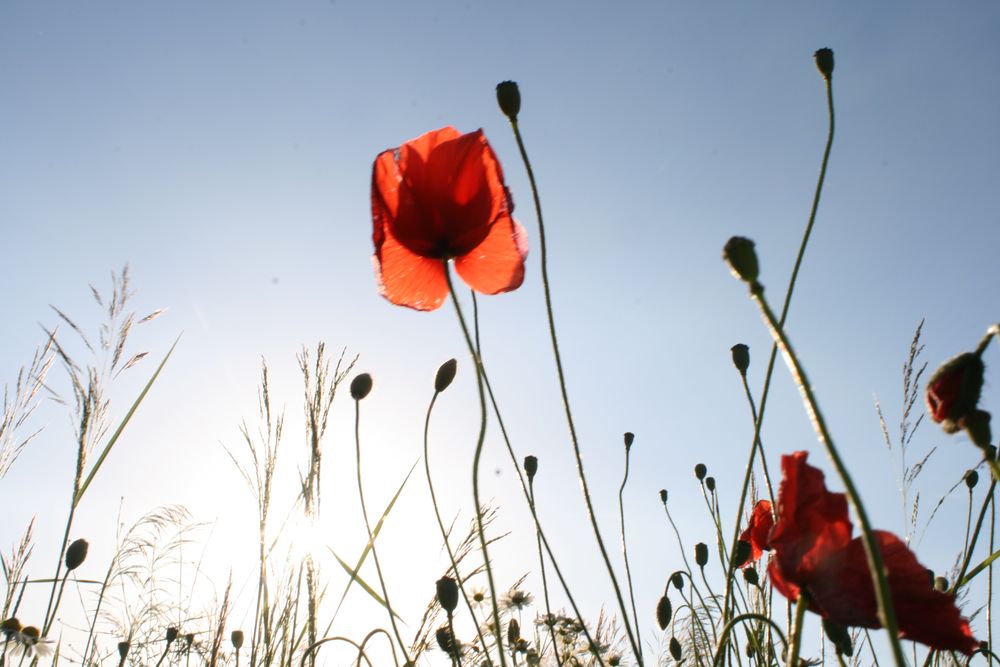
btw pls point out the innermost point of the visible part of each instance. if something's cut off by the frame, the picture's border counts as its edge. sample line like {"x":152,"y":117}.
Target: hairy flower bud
{"x":751,"y":577}
{"x":700,"y":471}
{"x":361,"y":386}
{"x":445,"y":375}
{"x":446,"y":640}
{"x":509,"y":99}
{"x":76,"y":554}
{"x":824,"y":62}
{"x":710,"y":484}
{"x":237,"y":639}
{"x":971,"y":478}
{"x":701,"y":554}
{"x":664,"y":612}
{"x":953,"y":390}
{"x":742,"y":258}
{"x":675,"y":649}
{"x":677,"y":579}
{"x":741,"y":357}
{"x":742,"y":554}
{"x":530,"y":466}
{"x":447,"y":594}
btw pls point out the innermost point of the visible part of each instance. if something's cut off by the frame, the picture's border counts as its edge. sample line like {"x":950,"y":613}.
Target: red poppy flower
{"x":759,"y":530}
{"x":953,"y":390}
{"x":814,"y":554}
{"x":442,"y":197}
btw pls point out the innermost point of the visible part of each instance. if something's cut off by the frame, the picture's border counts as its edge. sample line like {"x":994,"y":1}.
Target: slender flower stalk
{"x":800,"y":616}
{"x":543,"y":252}
{"x":629,"y":438}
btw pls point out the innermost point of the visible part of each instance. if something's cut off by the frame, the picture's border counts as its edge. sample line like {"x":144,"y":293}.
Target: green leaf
{"x":979,"y":568}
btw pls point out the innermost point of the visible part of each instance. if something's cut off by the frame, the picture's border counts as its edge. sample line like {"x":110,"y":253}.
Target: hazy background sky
{"x":223,"y":150}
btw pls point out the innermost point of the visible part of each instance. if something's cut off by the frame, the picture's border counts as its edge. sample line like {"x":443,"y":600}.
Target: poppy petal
{"x":407,"y":279}
{"x":497,"y":264}
{"x":759,"y":530}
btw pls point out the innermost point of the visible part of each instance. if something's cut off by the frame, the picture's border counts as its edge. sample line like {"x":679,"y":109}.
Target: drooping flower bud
{"x":445,"y":375}
{"x":953,"y":390}
{"x":530,"y":466}
{"x":629,"y":439}
{"x":237,"y":639}
{"x":971,"y":478}
{"x":361,"y":386}
{"x":664,"y":612}
{"x":76,"y":554}
{"x":675,"y":649}
{"x":751,"y":577}
{"x":742,"y":555}
{"x":447,"y":594}
{"x":700,"y":471}
{"x":701,"y":554}
{"x":742,"y":258}
{"x":171,"y":635}
{"x":677,"y":579}
{"x":839,"y":636}
{"x":824,"y":62}
{"x":123,"y":648}
{"x":741,"y":358}
{"x":663,"y":496}
{"x":710,"y":484}
{"x":509,"y":99}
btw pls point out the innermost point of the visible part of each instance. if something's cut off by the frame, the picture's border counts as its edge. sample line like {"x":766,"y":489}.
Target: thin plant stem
{"x":543,"y":252}
{"x":371,"y":540}
{"x":444,"y":532}
{"x":989,"y":573}
{"x":545,"y":583}
{"x":727,"y":630}
{"x":497,"y":631}
{"x":628,"y":569}
{"x":800,"y":617}
{"x":987,"y":502}
{"x":680,"y":542}
{"x":876,"y":564}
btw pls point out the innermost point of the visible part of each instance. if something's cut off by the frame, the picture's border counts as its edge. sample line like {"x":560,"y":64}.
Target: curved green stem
{"x":728,"y":628}
{"x":371,"y":540}
{"x":800,"y":615}
{"x":621,"y":517}
{"x":543,"y":251}
{"x":314,"y":646}
{"x":876,"y":565}
{"x":497,"y":631}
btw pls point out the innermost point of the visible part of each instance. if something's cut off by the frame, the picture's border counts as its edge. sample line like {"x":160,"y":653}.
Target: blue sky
{"x":224,"y":151}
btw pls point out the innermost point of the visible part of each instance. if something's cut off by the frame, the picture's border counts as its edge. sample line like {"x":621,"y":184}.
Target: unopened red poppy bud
{"x":447,"y":594}
{"x":751,"y":577}
{"x":513,"y":631}
{"x":171,"y":635}
{"x":677,"y":579}
{"x":741,"y":357}
{"x":710,"y":483}
{"x":664,"y":612}
{"x":530,"y":466}
{"x":742,"y":555}
{"x":700,"y":471}
{"x":76,"y":554}
{"x":663,"y":496}
{"x":977,"y":425}
{"x":839,"y":636}
{"x":361,"y":386}
{"x":445,"y":374}
{"x":629,"y":439}
{"x":824,"y":62}
{"x":675,"y":649}
{"x":953,"y":390}
{"x":123,"y":648}
{"x":509,"y":99}
{"x":701,"y":554}
{"x":971,"y":478}
{"x":742,"y":258}
{"x":940,"y":584}
{"x":237,"y":639}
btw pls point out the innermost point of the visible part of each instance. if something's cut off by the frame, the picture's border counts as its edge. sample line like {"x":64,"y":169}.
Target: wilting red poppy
{"x":814,"y":554}
{"x":759,"y":530}
{"x":442,"y":197}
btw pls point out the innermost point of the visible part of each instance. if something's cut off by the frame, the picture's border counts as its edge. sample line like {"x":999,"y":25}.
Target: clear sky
{"x":224,"y":151}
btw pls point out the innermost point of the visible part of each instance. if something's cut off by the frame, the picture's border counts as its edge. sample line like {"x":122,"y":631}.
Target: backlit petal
{"x":497,"y":264}
{"x":407,"y":279}
{"x":758,"y":531}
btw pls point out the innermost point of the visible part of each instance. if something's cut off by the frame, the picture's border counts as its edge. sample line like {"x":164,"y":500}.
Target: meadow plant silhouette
{"x":440,"y":202}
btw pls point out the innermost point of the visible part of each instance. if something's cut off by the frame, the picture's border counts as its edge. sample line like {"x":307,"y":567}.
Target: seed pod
{"x":530,"y":466}
{"x":742,"y":554}
{"x":677,"y":579}
{"x":741,"y":358}
{"x":361,"y":386}
{"x":971,"y":479}
{"x":710,"y":484}
{"x":664,"y":612}
{"x":447,"y":594}
{"x":701,"y":554}
{"x":663,"y":496}
{"x":123,"y":648}
{"x":509,"y":99}
{"x":237,"y":639}
{"x":445,"y":375}
{"x":76,"y":554}
{"x":629,"y":439}
{"x":824,"y":62}
{"x":742,"y":258}
{"x":171,"y":635}
{"x":700,"y":471}
{"x":675,"y":649}
{"x":940,"y":584}
{"x":446,"y":640}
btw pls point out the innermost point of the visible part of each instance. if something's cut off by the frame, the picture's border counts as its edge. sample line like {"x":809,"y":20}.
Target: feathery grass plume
{"x":19,"y":404}
{"x":14,"y":570}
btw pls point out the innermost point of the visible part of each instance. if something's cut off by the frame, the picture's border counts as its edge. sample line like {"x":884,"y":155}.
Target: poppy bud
{"x":530,"y":466}
{"x":940,"y":584}
{"x":742,"y":258}
{"x":447,"y":594}
{"x":839,"y":636}
{"x":741,"y":357}
{"x":189,"y":639}
{"x":742,"y":554}
{"x":701,"y":554}
{"x":751,"y":577}
{"x":675,"y":649}
{"x":664,"y":611}
{"x":677,"y":579}
{"x":361,"y":386}
{"x":971,"y":479}
{"x":663,"y":496}
{"x":509,"y":99}
{"x":171,"y":635}
{"x":76,"y":554}
{"x":629,"y":439}
{"x":953,"y":390}
{"x":710,"y":483}
{"x":824,"y":62}
{"x":700,"y":471}
{"x":445,"y":640}
{"x":445,"y":374}
{"x":237,"y":639}
{"x":123,"y":648}
{"x":513,"y":631}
